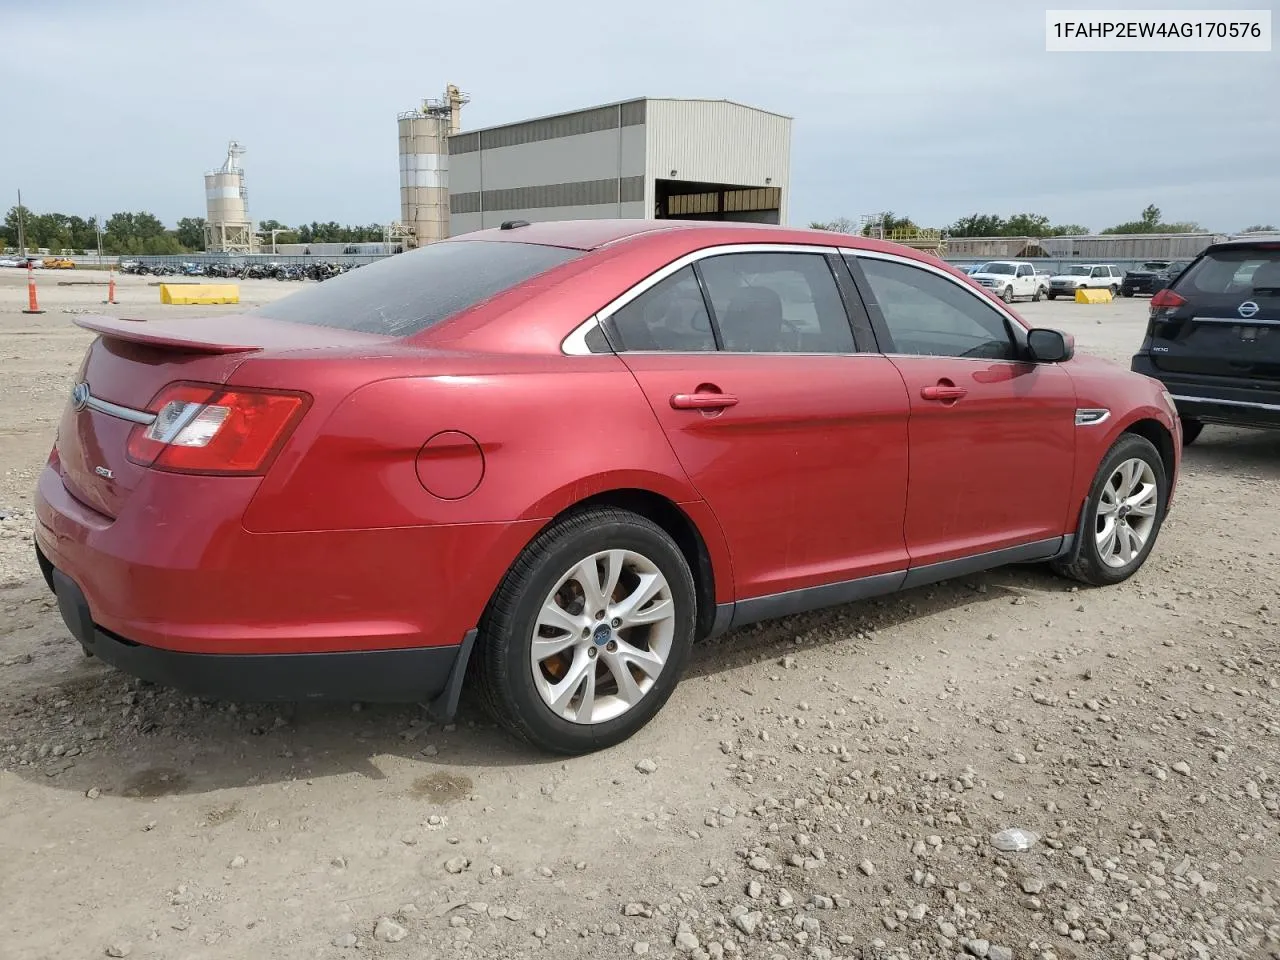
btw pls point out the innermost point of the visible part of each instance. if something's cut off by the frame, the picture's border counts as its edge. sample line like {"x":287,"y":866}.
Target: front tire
{"x":1052,"y":295}
{"x":1123,"y":515}
{"x":589,"y":632}
{"x":1115,"y":292}
{"x":1007,"y":295}
{"x":1035,"y":297}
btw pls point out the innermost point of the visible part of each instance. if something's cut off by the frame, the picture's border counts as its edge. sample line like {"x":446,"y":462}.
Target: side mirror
{"x":1050,"y":346}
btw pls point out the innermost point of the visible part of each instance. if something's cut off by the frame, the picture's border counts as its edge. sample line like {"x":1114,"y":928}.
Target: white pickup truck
{"x":1094,"y":275}
{"x":1011,"y":279}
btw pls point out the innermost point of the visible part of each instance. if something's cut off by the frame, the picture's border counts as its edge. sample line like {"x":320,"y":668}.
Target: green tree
{"x":1151,"y":222}
{"x":1068,"y":230}
{"x":1260,"y":228}
{"x":978,"y":225}
{"x":1027,"y":225}
{"x":190,"y":232}
{"x":890,"y":223}
{"x":838,"y":225}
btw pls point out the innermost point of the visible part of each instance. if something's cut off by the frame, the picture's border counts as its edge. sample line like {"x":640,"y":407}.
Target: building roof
{"x":618,"y":103}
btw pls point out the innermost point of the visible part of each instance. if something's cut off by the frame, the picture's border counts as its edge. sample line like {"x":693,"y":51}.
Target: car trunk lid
{"x":1224,"y":318}
{"x":129,"y":364}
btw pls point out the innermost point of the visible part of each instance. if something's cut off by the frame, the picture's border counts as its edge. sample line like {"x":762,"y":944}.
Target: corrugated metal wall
{"x":715,"y":141}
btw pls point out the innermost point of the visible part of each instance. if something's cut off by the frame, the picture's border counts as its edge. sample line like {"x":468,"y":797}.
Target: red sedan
{"x":560,"y":453}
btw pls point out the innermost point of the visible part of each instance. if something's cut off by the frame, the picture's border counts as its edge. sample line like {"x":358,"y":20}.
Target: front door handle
{"x":943,"y":391}
{"x":702,"y":401}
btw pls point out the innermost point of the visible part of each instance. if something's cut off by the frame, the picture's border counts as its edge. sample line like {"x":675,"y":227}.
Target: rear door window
{"x":670,"y":316}
{"x":409,"y":292}
{"x":777,"y":303}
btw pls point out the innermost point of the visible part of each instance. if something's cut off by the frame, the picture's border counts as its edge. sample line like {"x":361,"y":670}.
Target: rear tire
{"x":1051,"y":295}
{"x":1118,"y":532}
{"x":565,"y":698}
{"x":1190,"y":430}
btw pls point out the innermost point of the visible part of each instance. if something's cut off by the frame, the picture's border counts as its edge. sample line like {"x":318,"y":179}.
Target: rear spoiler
{"x":164,"y":333}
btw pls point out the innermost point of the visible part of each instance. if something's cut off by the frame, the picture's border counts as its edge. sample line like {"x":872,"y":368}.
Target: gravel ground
{"x":824,"y":786}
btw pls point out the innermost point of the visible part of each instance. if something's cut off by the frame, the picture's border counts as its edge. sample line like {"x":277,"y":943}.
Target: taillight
{"x":218,"y":430}
{"x":1166,"y":298}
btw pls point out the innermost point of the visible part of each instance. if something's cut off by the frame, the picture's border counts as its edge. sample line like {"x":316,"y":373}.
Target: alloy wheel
{"x":602,"y":636}
{"x":1126,"y":513}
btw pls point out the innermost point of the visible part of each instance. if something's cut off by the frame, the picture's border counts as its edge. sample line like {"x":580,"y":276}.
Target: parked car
{"x":1151,"y":277}
{"x":1011,"y":279}
{"x":1213,"y":338}
{"x":559,"y":453}
{"x":1084,"y":276}
{"x":58,"y":263}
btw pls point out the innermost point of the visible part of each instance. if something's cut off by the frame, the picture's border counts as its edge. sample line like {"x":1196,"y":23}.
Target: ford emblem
{"x":80,"y":395}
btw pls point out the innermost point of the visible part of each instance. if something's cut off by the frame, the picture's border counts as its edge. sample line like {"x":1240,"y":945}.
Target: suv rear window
{"x":409,"y":292}
{"x":1241,"y":270}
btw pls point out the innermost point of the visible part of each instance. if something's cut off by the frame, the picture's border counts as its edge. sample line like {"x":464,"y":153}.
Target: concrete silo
{"x":424,"y":166}
{"x":228,"y":228}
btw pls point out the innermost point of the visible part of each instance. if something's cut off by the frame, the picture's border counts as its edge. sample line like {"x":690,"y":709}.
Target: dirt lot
{"x":824,"y":786}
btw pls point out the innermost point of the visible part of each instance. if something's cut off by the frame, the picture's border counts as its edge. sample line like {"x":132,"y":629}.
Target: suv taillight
{"x":1167,"y":299}
{"x":200,"y":428}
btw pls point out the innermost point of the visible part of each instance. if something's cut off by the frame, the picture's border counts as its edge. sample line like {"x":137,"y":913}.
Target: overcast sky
{"x":931,"y":108}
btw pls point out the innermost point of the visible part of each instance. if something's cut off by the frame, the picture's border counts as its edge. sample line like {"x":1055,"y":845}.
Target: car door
{"x":795,"y":440}
{"x":1026,"y":280}
{"x":992,"y":435}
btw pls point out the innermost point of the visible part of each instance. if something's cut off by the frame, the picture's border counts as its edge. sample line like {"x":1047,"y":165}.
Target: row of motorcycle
{"x":320,"y":270}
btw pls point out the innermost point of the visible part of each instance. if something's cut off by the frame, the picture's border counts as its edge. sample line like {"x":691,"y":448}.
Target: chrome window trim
{"x":1092,"y":416}
{"x":997,"y":306}
{"x":575,"y":343}
{"x":116,"y":410}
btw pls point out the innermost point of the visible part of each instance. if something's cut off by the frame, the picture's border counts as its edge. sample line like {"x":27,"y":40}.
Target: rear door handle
{"x":702,"y":401}
{"x":941,"y":392}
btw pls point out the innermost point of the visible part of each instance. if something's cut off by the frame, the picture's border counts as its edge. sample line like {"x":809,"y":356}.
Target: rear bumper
{"x":406,"y":675}
{"x":1217,"y":399}
{"x":176,"y":570}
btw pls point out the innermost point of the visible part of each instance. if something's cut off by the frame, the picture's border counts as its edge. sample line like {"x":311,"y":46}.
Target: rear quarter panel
{"x":551,"y":431}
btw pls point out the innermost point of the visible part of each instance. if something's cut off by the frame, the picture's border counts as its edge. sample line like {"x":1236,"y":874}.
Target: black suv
{"x":1151,"y":277}
{"x":1213,"y":339}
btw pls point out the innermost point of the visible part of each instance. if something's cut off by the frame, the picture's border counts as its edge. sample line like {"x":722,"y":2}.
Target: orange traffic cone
{"x":33,"y":304}
{"x":111,"y":288}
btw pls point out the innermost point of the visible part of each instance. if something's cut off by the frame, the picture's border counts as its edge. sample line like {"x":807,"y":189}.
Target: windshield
{"x":995,"y":267}
{"x":1078,"y":271}
{"x":409,"y":292}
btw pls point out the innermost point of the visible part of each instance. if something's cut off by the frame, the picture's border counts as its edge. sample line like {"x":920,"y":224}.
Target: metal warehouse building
{"x":646,"y":158}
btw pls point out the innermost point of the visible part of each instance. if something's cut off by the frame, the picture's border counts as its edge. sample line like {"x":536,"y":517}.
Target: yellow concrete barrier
{"x":1093,"y":295}
{"x":192,"y":293}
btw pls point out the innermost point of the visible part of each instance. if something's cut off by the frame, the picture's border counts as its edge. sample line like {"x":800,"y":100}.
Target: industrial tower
{"x":424,"y":167}
{"x":228,"y":228}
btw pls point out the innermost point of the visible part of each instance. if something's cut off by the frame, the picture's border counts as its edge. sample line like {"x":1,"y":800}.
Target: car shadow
{"x":145,"y":741}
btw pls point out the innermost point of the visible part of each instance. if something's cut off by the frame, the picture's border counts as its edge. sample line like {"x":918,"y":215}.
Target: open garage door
{"x":682,"y":200}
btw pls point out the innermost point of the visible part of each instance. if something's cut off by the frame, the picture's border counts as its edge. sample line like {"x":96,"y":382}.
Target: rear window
{"x":409,"y":292}
{"x":1242,"y":271}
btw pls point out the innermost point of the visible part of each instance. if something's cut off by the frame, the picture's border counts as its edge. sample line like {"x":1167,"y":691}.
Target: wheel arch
{"x":707,"y":563}
{"x":1162,"y":439}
